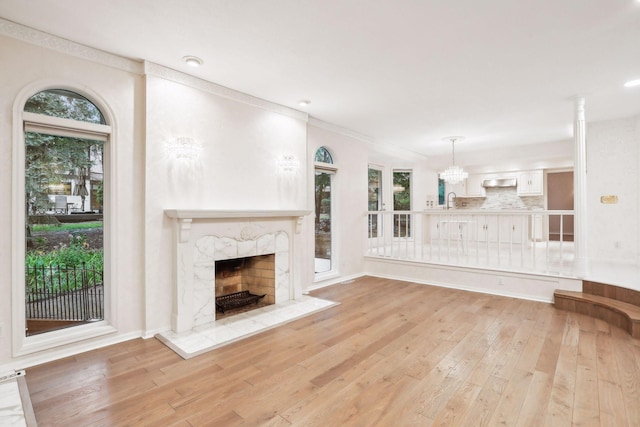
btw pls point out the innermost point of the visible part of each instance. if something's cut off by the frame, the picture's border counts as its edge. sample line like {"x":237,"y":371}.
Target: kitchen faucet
{"x":449,"y":197}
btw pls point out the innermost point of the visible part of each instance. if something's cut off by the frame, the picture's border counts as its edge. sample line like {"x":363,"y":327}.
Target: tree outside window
{"x":401,"y":202}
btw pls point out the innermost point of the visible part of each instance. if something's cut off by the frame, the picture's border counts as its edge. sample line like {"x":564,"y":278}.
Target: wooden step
{"x":618,"y":313}
{"x":610,"y":291}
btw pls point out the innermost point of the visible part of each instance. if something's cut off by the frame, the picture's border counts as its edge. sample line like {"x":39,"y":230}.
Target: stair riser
{"x":614,"y":292}
{"x":599,"y":312}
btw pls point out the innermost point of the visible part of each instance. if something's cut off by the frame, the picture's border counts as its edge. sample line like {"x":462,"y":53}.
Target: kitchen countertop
{"x":490,"y":211}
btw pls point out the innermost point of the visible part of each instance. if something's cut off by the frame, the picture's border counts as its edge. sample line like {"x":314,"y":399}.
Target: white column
{"x":580,"y":183}
{"x":182,"y":312}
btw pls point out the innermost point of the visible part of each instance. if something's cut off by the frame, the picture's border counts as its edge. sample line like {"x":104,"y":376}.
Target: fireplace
{"x":244,"y":283}
{"x":206,"y":238}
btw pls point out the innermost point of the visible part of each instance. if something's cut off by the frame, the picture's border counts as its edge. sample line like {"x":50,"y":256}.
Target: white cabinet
{"x":530,"y":183}
{"x":486,"y":228}
{"x":506,"y":229}
{"x":511,"y":228}
{"x":474,"y":186}
{"x":460,"y":188}
{"x":470,"y":187}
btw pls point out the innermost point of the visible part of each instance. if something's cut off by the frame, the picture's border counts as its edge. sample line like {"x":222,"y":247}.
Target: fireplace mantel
{"x":222,"y":214}
{"x":184,"y":217}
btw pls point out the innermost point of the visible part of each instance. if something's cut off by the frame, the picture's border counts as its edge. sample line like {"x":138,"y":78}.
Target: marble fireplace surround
{"x":204,"y":236}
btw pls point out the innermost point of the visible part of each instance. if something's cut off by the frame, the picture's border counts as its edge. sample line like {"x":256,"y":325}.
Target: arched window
{"x":324,"y":211}
{"x":64,"y":181}
{"x":64,"y":104}
{"x":323,"y":156}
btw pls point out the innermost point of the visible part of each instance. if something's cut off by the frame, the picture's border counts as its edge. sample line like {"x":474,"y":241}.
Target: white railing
{"x":527,"y":240}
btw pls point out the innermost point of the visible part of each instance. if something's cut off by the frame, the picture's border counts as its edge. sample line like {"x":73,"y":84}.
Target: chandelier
{"x":453,"y":174}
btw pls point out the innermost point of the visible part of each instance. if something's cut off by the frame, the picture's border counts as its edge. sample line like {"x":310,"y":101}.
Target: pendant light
{"x":453,"y":174}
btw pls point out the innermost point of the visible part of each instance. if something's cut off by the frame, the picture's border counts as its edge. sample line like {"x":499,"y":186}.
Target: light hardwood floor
{"x":391,"y":354}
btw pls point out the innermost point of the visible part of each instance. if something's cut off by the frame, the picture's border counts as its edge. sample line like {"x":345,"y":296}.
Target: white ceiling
{"x":404,"y":72}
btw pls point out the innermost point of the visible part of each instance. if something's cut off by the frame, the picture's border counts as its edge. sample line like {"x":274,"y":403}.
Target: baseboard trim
{"x":334,"y":281}
{"x":461,"y":287}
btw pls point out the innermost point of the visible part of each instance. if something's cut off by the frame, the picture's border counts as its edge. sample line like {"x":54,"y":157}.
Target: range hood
{"x":499,"y":182}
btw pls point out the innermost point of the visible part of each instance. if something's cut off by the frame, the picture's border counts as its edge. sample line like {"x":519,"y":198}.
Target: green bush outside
{"x":63,"y":269}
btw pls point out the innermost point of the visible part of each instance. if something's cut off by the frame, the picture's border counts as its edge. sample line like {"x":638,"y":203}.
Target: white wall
{"x":25,"y":64}
{"x":236,"y":170}
{"x":349,"y":196}
{"x":613,"y":168}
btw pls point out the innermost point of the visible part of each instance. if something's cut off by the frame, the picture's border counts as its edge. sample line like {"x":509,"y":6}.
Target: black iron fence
{"x":64,"y":293}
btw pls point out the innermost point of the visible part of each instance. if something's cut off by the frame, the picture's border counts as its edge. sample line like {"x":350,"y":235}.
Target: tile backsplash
{"x":500,"y":198}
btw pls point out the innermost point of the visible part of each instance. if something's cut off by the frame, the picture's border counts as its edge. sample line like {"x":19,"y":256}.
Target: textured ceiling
{"x":404,"y":72}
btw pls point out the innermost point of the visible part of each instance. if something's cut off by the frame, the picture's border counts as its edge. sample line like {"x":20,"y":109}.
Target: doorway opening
{"x":560,"y":197}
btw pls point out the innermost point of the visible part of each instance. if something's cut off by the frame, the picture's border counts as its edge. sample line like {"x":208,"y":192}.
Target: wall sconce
{"x":184,"y":148}
{"x":289,"y":164}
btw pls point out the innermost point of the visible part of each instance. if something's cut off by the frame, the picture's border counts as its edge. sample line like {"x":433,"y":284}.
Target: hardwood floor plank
{"x":486,"y":403}
{"x":511,"y":401}
{"x":586,"y":409}
{"x":427,"y":361}
{"x":551,"y":348}
{"x":499,"y":338}
{"x":312,"y":408}
{"x":534,"y":407}
{"x":457,"y":407}
{"x":629,"y":375}
{"x":192,"y":391}
{"x":346,"y":364}
{"x":227,"y":418}
{"x":365,"y":401}
{"x":612,"y":408}
{"x":266,"y":400}
{"x":391,"y":353}
{"x":507,"y":363}
{"x":560,"y":411}
{"x":402,"y":407}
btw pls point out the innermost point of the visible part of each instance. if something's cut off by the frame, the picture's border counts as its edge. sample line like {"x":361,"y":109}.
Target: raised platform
{"x":618,"y":306}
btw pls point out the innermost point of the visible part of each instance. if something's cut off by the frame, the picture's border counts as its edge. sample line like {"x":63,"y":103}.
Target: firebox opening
{"x":254,"y":274}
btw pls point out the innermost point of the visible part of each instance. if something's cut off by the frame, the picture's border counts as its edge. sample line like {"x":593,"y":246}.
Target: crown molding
{"x":373,"y":143}
{"x":58,"y":44}
{"x":166,"y":73}
{"x":339,"y":130}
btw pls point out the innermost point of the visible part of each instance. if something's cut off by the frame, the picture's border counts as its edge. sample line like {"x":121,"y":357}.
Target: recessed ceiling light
{"x":304,"y":102}
{"x":632,"y":83}
{"x":192,"y":61}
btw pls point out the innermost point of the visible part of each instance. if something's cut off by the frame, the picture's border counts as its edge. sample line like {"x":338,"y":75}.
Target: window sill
{"x":49,"y":340}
